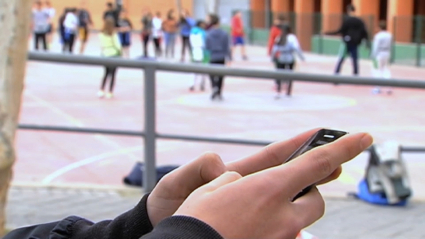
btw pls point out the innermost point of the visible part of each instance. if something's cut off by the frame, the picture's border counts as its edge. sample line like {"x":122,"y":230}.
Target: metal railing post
{"x":149,"y":174}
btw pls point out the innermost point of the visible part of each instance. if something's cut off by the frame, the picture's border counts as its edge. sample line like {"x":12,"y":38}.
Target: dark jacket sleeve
{"x":366,"y":36}
{"x":341,"y":30}
{"x":181,"y":227}
{"x":132,"y":224}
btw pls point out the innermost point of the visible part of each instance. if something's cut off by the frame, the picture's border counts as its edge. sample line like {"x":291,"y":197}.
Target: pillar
{"x":304,"y":10}
{"x":331,"y":14}
{"x":368,"y":10}
{"x":400,"y":19}
{"x":258,"y":13}
{"x":280,"y":6}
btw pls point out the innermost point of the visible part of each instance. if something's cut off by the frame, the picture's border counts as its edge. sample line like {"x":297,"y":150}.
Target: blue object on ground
{"x":135,"y":178}
{"x":374,"y":198}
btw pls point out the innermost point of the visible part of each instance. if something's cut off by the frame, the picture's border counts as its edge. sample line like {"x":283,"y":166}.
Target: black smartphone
{"x":321,"y":137}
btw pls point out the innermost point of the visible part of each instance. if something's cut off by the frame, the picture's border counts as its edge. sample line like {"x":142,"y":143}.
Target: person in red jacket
{"x":275,"y":32}
{"x":238,"y":33}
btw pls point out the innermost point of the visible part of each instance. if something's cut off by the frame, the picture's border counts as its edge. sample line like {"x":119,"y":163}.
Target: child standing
{"x":381,"y":53}
{"x":111,"y":47}
{"x":283,"y":55}
{"x":157,"y":34}
{"x":70,"y":25}
{"x":124,"y":32}
{"x":197,"y":41}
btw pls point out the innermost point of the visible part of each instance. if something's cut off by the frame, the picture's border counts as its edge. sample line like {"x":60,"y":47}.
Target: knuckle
{"x":211,"y":157}
{"x":233,"y":175}
{"x":271,"y":154}
{"x":323,"y":161}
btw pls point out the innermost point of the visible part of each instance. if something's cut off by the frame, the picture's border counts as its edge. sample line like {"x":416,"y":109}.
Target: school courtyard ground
{"x":67,"y":173}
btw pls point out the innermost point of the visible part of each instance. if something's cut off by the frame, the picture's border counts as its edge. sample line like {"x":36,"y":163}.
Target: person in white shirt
{"x":157,"y":33}
{"x":197,"y":40}
{"x":71,"y":26}
{"x":381,"y":54}
{"x":40,"y":25}
{"x":51,"y":12}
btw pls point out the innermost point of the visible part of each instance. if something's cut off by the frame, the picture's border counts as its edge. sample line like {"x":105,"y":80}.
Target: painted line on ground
{"x":87,"y":161}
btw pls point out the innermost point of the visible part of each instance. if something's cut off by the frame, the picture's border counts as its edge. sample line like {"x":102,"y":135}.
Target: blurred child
{"x":197,"y":41}
{"x":381,"y":54}
{"x":157,"y":33}
{"x":70,"y":25}
{"x":283,"y":55}
{"x":124,"y":33}
{"x":111,"y":47}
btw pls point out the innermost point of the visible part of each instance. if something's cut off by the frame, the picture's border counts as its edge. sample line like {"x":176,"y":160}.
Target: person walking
{"x":353,"y":32}
{"x":381,"y":55}
{"x":186,"y":24}
{"x":110,"y":47}
{"x":40,"y":25}
{"x":170,"y":26}
{"x":84,"y":22}
{"x":238,"y":34}
{"x":157,"y":34}
{"x":112,"y":12}
{"x":218,"y":46}
{"x":62,"y":28}
{"x":52,"y":12}
{"x":124,"y":32}
{"x":283,"y":55}
{"x":146,"y":31}
{"x":197,"y":41}
{"x":70,"y":25}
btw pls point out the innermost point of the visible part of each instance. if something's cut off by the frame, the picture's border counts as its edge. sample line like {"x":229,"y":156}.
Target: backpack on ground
{"x":386,"y":181}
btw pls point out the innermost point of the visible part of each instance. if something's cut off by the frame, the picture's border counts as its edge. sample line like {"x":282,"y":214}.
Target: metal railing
{"x":150,"y":67}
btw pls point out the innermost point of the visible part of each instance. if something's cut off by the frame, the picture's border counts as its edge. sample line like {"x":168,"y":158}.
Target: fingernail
{"x":366,"y":141}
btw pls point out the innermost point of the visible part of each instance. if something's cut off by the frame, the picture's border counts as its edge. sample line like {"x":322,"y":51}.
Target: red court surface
{"x":65,"y":95}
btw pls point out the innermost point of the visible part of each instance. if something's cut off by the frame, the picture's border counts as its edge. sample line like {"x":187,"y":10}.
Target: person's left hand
{"x":173,"y":189}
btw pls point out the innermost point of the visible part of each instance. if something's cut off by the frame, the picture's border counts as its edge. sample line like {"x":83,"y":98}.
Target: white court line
{"x":46,"y":104}
{"x":86,"y":161}
{"x":76,"y":122}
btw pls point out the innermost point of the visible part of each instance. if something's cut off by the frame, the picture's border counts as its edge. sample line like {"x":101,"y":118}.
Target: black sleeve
{"x":341,"y":30}
{"x":132,"y":224}
{"x":181,"y":227}
{"x":366,"y":36}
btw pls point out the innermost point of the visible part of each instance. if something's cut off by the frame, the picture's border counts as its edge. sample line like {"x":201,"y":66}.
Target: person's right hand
{"x":260,"y":205}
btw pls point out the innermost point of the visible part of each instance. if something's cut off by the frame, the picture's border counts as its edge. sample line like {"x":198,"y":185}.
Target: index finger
{"x":270,"y":156}
{"x":318,"y":163}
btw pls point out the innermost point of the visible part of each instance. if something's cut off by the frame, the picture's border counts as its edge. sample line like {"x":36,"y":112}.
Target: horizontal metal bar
{"x":213,"y":140}
{"x":407,"y":149}
{"x":404,"y":149}
{"x":81,"y":130}
{"x":220,"y":70}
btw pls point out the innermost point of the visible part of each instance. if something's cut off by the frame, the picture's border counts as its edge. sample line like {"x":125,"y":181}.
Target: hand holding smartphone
{"x":322,"y":137}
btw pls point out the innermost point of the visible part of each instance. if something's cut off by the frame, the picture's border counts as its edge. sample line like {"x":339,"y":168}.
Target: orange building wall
{"x":134,"y":8}
{"x":281,"y":6}
{"x":332,"y":14}
{"x":258,"y":13}
{"x":402,"y":10}
{"x":304,"y":10}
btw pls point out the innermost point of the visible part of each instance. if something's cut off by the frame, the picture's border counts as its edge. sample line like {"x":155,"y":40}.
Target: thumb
{"x":224,"y":179}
